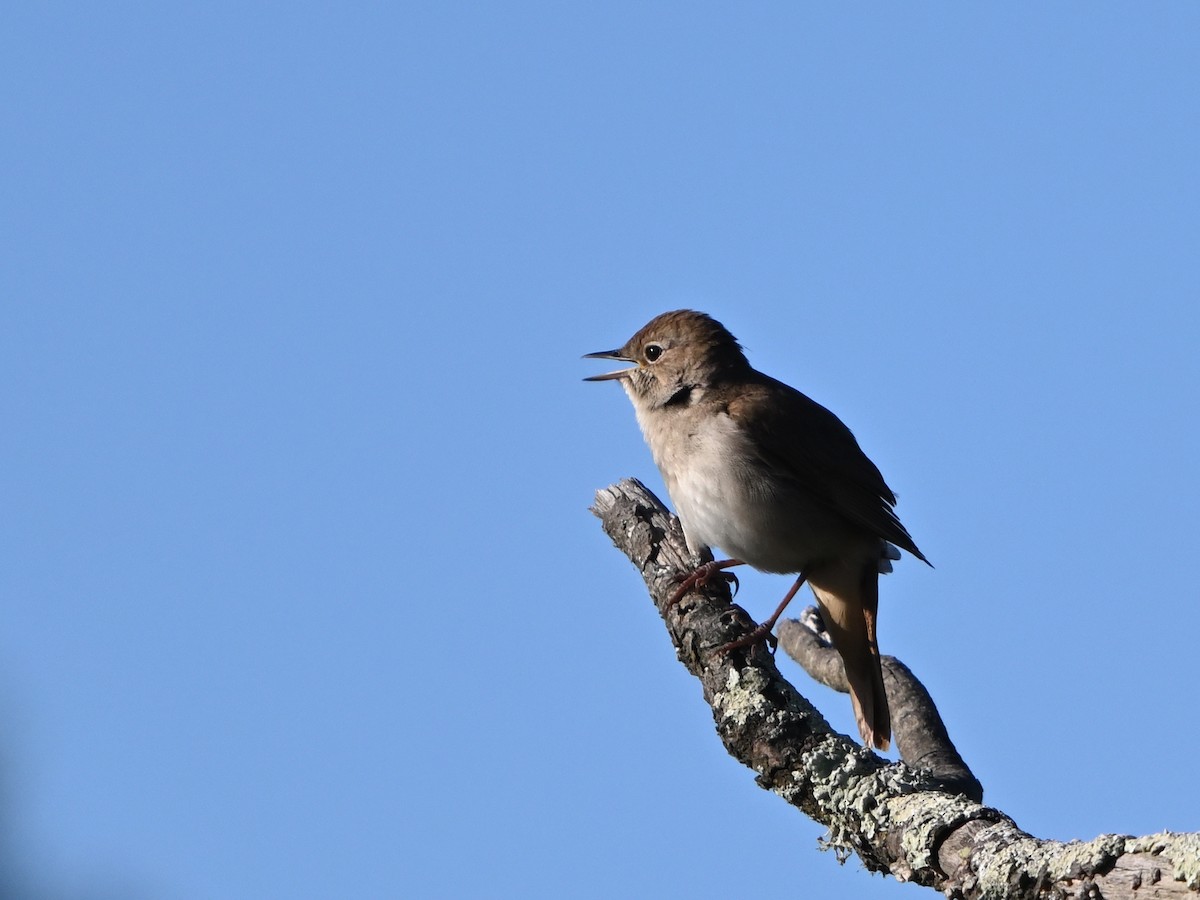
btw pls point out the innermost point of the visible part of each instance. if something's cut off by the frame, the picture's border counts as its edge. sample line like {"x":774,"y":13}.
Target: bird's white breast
{"x":721,"y":496}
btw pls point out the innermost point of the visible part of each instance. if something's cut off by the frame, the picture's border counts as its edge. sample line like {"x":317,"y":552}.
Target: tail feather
{"x":849,"y":604}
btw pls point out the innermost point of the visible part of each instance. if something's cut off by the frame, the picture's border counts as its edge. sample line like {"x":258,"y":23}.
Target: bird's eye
{"x":653,"y":352}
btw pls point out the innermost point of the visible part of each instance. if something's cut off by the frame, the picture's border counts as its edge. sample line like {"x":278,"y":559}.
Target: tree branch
{"x":896,"y":818}
{"x":921,"y":735}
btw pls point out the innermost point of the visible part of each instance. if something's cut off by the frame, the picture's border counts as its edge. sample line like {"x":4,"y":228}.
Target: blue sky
{"x":300,"y":594}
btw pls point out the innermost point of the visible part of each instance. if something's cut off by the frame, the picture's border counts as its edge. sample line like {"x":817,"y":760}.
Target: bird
{"x":772,"y":478}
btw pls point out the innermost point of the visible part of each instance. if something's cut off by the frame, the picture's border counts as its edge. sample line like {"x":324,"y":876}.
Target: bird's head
{"x":674,"y":354}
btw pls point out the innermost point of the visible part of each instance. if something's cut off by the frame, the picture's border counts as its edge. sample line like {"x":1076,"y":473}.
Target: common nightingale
{"x":774,"y":479}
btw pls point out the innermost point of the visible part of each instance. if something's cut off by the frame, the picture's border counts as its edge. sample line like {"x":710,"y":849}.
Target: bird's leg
{"x":763,"y":631}
{"x":701,"y":576}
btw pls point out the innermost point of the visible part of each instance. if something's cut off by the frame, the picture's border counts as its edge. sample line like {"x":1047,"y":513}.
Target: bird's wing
{"x":797,"y":436}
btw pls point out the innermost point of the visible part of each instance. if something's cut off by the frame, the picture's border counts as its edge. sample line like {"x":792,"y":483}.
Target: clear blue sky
{"x":300,"y":594}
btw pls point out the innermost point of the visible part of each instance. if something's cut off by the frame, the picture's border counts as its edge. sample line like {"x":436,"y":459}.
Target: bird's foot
{"x":702,"y":576}
{"x":764,"y":631}
{"x":761,"y":633}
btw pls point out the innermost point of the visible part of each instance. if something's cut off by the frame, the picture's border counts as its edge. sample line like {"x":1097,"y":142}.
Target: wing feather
{"x":797,"y":436}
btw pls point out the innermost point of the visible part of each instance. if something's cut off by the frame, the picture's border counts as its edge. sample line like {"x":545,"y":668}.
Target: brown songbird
{"x":774,"y":479}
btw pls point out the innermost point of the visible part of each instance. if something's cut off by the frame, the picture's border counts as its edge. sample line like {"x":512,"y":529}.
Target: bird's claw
{"x":760,"y":633}
{"x":734,"y":584}
{"x":700,"y":577}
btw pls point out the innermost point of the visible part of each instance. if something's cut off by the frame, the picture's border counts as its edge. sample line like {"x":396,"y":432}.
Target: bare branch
{"x":921,"y":735}
{"x":896,"y":818}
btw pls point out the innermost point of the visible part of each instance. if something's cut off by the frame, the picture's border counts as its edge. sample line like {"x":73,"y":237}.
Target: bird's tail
{"x":849,"y":604}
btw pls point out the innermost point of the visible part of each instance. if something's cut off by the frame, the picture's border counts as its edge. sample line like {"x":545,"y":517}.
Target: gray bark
{"x":913,"y":819}
{"x":921,"y":736}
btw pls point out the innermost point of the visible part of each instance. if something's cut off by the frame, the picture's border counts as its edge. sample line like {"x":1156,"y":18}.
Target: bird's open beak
{"x":609,"y":354}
